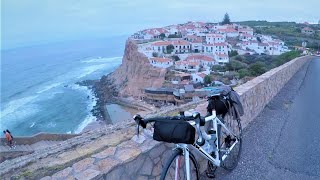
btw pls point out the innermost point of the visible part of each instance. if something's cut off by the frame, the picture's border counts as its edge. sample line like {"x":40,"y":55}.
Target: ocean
{"x":38,"y":90}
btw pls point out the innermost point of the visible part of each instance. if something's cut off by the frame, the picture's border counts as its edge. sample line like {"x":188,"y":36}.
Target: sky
{"x":31,"y":22}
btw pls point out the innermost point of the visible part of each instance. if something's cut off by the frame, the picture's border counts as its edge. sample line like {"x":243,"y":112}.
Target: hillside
{"x":290,"y":32}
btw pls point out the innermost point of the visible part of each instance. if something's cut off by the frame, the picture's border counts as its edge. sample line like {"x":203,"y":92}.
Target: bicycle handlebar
{"x":194,"y":120}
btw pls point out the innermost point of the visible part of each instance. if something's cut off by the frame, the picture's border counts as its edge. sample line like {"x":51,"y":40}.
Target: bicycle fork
{"x":185,"y":152}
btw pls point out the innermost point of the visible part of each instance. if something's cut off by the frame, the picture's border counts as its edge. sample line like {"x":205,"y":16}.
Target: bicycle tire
{"x":233,"y":158}
{"x":166,"y":175}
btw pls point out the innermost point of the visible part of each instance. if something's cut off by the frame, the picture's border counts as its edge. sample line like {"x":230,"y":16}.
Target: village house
{"x":246,"y":30}
{"x":198,"y":77}
{"x":181,"y":46}
{"x":178,"y":77}
{"x":229,"y":32}
{"x":307,"y":31}
{"x":197,"y":45}
{"x":161,"y":62}
{"x":205,"y":61}
{"x":160,"y":46}
{"x":216,"y":48}
{"x":221,"y":58}
{"x":215,"y":38}
{"x":246,"y":37}
{"x":172,"y":29}
{"x":187,"y":65}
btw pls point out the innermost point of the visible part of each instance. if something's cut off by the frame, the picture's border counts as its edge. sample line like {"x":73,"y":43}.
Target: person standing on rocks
{"x":8,"y":137}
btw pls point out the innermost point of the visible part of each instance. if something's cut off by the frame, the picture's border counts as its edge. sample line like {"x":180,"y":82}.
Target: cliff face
{"x":136,"y":73}
{"x":130,"y":79}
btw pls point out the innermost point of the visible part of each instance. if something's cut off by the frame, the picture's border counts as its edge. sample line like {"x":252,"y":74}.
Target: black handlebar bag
{"x":172,"y":131}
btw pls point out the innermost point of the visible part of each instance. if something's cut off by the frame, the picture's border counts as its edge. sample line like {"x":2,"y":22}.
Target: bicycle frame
{"x":216,"y":161}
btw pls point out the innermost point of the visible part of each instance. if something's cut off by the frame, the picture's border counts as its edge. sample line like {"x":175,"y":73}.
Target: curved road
{"x":283,"y":142}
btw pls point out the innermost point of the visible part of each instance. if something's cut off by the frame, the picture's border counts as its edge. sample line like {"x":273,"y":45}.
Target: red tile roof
{"x":228,"y":30}
{"x":201,"y":75}
{"x":180,"y":43}
{"x":161,"y":43}
{"x":220,"y":44}
{"x":186,"y":62}
{"x":200,"y":57}
{"x":215,"y":35}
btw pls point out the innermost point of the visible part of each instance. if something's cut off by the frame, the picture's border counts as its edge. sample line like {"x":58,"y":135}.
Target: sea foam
{"x":92,"y":101}
{"x":102,"y":60}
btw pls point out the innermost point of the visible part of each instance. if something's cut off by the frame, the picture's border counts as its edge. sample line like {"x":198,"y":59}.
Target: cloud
{"x":32,"y":21}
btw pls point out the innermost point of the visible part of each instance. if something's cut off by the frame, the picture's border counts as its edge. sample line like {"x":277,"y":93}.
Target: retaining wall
{"x":40,"y":137}
{"x":144,"y":160}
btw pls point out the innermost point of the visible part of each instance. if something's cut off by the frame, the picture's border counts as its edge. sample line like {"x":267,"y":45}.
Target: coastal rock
{"x":132,"y":76}
{"x":129,"y":79}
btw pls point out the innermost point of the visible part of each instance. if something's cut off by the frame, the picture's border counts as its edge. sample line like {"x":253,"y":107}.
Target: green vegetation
{"x":241,"y":66}
{"x":235,"y":65}
{"x":170,"y":48}
{"x":290,"y":32}
{"x":286,"y":57}
{"x":162,"y":36}
{"x":175,"y":36}
{"x":233,"y":53}
{"x":226,"y":19}
{"x":154,"y":54}
{"x":207,"y":79}
{"x":257,"y":68}
{"x":243,"y":73}
{"x":175,"y":58}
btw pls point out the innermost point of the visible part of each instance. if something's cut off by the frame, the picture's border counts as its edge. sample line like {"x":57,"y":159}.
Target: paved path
{"x":27,"y":147}
{"x":284,"y":140}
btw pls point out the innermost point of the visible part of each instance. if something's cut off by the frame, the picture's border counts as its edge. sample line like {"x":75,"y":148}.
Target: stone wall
{"x":144,"y":159}
{"x":40,"y":137}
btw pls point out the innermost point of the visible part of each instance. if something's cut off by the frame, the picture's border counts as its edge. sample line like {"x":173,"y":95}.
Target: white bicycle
{"x":219,"y":142}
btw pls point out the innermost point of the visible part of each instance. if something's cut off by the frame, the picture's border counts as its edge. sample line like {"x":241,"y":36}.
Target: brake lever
{"x":137,"y":118}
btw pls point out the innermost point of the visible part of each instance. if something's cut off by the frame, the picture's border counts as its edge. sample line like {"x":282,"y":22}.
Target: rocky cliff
{"x":130,"y":78}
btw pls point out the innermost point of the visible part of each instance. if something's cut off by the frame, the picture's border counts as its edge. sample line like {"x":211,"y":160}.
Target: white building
{"x":160,"y":46}
{"x":246,"y":37}
{"x":221,"y":58}
{"x":197,"y":45}
{"x":190,"y":66}
{"x":215,"y":38}
{"x":161,"y":62}
{"x":229,"y":32}
{"x":216,"y":48}
{"x":181,"y":46}
{"x":246,"y":30}
{"x":198,"y":77}
{"x":205,"y":60}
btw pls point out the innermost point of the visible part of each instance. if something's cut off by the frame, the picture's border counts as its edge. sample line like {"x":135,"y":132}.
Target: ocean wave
{"x":102,"y":60}
{"x":91,"y":69}
{"x":14,"y":105}
{"x":48,"y":87}
{"x":18,"y":115}
{"x":33,"y":123}
{"x":92,"y":101}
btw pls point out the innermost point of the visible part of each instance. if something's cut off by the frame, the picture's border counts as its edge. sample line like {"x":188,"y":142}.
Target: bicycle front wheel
{"x":176,"y":167}
{"x":227,"y":140}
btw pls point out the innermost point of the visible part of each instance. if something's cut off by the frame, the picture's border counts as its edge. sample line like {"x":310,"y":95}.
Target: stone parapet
{"x":132,"y":160}
{"x":144,"y":160}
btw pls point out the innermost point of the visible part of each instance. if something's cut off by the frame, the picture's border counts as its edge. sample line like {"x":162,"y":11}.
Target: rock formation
{"x":130,"y":78}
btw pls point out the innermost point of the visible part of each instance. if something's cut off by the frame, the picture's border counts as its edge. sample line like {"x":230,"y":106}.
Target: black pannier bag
{"x":227,"y":101}
{"x":173,"y":131}
{"x":219,"y":103}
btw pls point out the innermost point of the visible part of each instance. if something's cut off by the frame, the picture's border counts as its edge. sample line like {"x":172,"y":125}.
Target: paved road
{"x":284,"y":140}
